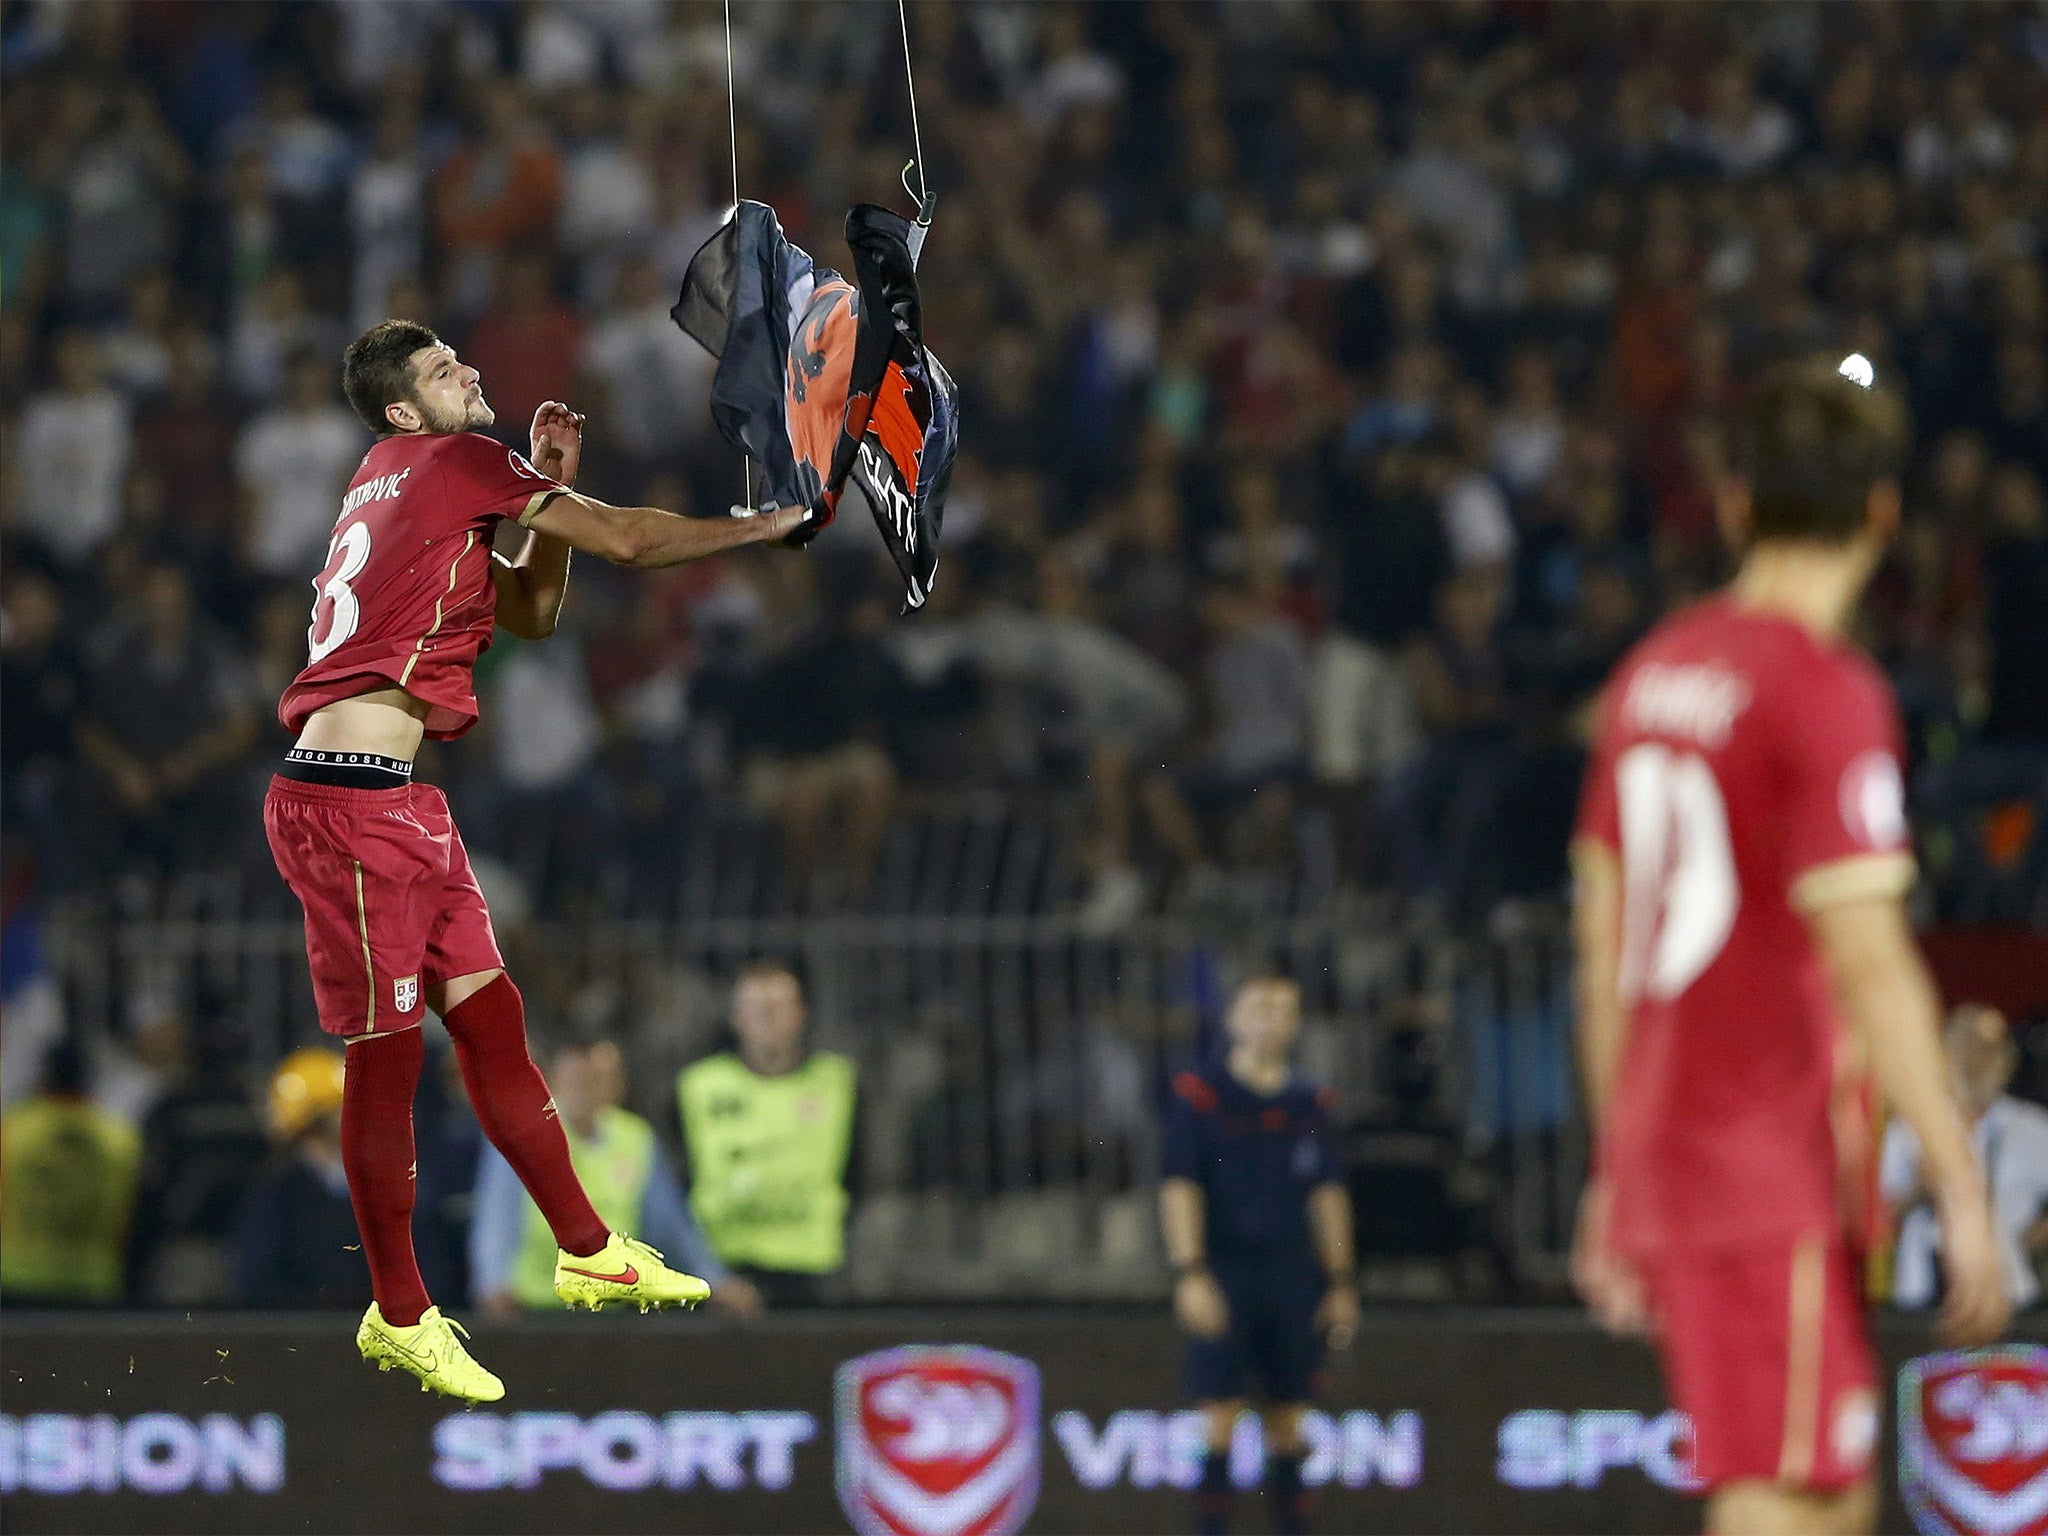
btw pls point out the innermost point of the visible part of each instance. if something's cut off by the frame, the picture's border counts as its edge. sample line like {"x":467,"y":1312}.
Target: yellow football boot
{"x":625,"y":1269}
{"x":430,"y":1350}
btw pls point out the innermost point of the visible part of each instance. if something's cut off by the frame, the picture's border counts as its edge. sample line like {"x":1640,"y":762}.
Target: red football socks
{"x":517,"y":1112}
{"x":377,"y":1155}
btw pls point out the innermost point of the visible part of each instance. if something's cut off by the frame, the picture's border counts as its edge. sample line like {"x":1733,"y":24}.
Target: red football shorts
{"x":392,"y":906}
{"x":1764,"y":1347}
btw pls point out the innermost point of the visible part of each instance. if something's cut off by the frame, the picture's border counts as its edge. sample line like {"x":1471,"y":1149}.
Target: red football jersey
{"x":406,"y":595}
{"x":1744,"y":773}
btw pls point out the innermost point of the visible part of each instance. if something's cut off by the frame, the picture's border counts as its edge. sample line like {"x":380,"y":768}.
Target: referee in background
{"x":1258,"y":1229}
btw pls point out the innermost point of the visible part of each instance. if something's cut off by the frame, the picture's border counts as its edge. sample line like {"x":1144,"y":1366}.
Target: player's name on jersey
{"x":1699,"y":703}
{"x":383,"y":488}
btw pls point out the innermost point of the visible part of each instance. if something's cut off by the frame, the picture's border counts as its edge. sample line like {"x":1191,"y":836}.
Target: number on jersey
{"x":346,"y":557}
{"x":1680,"y":892}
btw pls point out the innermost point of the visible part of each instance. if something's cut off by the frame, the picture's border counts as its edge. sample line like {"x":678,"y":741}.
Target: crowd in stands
{"x":1344,"y":388}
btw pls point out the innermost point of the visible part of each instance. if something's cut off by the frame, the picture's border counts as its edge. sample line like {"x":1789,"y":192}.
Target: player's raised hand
{"x":557,"y":440}
{"x":1976,"y":1304}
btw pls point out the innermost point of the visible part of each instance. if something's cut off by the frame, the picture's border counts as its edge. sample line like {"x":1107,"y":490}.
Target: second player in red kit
{"x":1741,"y":861}
{"x":396,"y":926}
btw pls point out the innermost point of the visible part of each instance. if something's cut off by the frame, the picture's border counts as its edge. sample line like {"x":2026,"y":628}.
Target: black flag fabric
{"x":827,"y":384}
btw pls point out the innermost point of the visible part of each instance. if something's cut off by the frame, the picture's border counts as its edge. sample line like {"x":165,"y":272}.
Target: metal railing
{"x":1012,"y":1069}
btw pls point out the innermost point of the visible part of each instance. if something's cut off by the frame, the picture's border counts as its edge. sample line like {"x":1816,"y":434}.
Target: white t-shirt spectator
{"x":1477,"y":522}
{"x":387,"y":216}
{"x":607,"y":194}
{"x":659,"y":380}
{"x":2012,"y":1142}
{"x":545,"y":689}
{"x":74,"y":461}
{"x":378,"y":36}
{"x":295,"y":465}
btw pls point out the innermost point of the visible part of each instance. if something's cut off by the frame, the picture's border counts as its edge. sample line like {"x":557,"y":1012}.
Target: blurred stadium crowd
{"x":1344,"y":387}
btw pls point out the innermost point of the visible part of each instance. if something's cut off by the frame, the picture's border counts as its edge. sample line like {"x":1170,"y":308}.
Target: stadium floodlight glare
{"x":1857,"y":370}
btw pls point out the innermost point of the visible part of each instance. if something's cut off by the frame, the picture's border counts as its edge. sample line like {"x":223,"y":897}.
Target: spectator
{"x":1740,"y":134}
{"x":120,"y":192}
{"x":159,"y":769}
{"x":648,"y":384}
{"x":526,"y":345}
{"x":74,"y":455}
{"x":272,"y":328}
{"x":1085,"y":692}
{"x":630,"y":1181}
{"x":1441,"y":806}
{"x":1528,"y":435}
{"x":554,"y":812}
{"x":294,"y":462}
{"x":608,"y":179}
{"x":137,"y":353}
{"x":1960,"y":136}
{"x":39,"y":688}
{"x":2011,"y":1139}
{"x":1477,"y":525}
{"x":2016,"y":609}
{"x":202,"y":1146}
{"x":497,"y":193}
{"x":768,"y":1130}
{"x":296,"y":1245}
{"x":67,"y":1188}
{"x":812,"y":721}
{"x":387,"y":213}
{"x":186,"y":441}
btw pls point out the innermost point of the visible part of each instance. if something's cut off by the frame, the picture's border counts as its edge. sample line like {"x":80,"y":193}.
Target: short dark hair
{"x":765,"y":967}
{"x":1814,"y":444}
{"x":376,"y":370}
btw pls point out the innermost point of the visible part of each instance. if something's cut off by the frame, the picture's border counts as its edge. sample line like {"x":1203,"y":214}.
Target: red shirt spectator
{"x":504,"y":188}
{"x":526,"y":345}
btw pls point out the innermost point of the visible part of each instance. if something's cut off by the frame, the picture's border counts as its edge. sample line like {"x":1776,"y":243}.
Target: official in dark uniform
{"x":1258,"y":1229}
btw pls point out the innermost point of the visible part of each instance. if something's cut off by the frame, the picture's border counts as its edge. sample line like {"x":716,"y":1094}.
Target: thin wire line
{"x":910,"y":83}
{"x":732,"y":124}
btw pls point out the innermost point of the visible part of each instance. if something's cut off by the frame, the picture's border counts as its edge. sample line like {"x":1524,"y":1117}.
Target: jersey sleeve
{"x":482,"y":479}
{"x":1180,"y":1136}
{"x":1845,"y":833}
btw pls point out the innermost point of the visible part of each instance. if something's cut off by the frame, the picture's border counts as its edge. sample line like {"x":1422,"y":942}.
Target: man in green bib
{"x":67,"y":1190}
{"x":768,"y":1129}
{"x":630,"y":1179}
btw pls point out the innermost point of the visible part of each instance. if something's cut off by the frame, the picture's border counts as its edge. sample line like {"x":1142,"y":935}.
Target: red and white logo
{"x":405,"y":993}
{"x":1973,"y":1442}
{"x":938,"y":1440}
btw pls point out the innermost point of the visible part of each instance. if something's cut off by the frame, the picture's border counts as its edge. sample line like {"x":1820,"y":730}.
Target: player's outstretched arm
{"x":1884,"y":989}
{"x":648,"y":538}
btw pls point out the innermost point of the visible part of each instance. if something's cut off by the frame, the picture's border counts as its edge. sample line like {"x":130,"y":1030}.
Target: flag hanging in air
{"x":827,"y":385}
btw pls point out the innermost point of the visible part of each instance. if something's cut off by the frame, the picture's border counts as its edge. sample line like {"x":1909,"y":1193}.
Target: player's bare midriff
{"x":388,"y":722}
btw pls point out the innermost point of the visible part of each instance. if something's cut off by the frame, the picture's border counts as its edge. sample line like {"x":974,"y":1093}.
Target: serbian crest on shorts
{"x":938,"y":1440}
{"x":1973,"y":1441}
{"x":405,"y":993}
